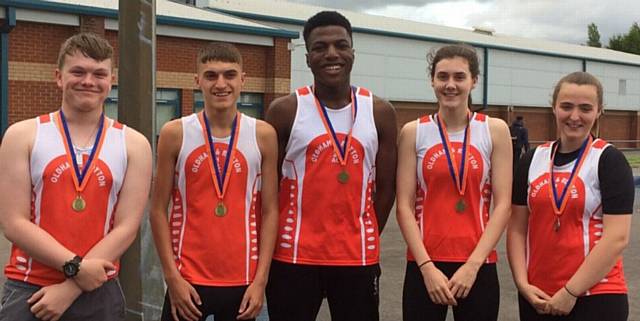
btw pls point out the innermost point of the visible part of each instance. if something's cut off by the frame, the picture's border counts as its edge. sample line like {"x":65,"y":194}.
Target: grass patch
{"x":634,"y":160}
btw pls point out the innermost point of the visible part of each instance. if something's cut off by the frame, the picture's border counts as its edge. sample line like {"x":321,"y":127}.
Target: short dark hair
{"x":89,"y":44}
{"x":326,"y":18}
{"x":219,"y":51}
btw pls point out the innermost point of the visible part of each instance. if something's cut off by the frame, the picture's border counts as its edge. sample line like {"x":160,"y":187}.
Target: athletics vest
{"x":53,"y":192}
{"x":448,"y":235}
{"x":323,"y":221}
{"x":553,"y":257}
{"x":210,"y":250}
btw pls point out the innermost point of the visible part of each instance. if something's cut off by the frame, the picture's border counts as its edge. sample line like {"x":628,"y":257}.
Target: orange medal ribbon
{"x":220,"y":179}
{"x":560,"y":203}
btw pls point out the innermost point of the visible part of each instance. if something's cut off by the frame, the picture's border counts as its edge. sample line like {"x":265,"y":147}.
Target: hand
{"x":251,"y":301}
{"x":536,"y":297}
{"x":183,"y":299}
{"x":93,"y":273}
{"x":436,"y":283}
{"x":561,"y":303}
{"x":462,"y":281}
{"x":50,"y":302}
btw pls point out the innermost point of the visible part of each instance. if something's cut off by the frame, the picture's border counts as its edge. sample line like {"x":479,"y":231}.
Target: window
{"x":249,"y":103}
{"x":167,"y":106}
{"x":622,"y":87}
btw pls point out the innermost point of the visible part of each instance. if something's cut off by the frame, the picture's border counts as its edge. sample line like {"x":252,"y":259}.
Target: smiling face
{"x":452,"y":82}
{"x":85,"y":82}
{"x":330,"y":55}
{"x":576,"y":110}
{"x":221,"y":83}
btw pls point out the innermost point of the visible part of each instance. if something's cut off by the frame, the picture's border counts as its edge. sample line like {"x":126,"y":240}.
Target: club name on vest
{"x":202,"y":159}
{"x":321,"y":147}
{"x":97,"y":172}
{"x":473,"y":162}
{"x":562,"y":180}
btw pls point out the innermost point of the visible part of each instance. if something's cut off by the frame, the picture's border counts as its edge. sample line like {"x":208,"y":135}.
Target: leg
{"x":483,"y":300}
{"x":105,"y":303}
{"x":294,"y":292}
{"x":528,"y":313}
{"x":416,"y":304}
{"x":226,"y":302}
{"x":352,"y":292}
{"x":14,"y":306}
{"x":610,"y":307}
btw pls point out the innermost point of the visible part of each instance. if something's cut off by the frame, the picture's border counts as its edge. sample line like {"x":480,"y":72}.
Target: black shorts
{"x":599,"y":307}
{"x":481,"y":304}
{"x":221,"y":302}
{"x":295,"y":292}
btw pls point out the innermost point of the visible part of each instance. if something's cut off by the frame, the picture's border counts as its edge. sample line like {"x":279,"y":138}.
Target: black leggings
{"x":222,"y":302}
{"x":295,"y":292}
{"x":599,"y":307}
{"x":480,"y":305}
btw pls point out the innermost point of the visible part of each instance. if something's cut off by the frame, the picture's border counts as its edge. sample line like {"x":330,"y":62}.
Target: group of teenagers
{"x":75,"y":183}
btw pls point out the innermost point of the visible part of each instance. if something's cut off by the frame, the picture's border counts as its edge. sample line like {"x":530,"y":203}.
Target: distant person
{"x":73,"y":189}
{"x":337,"y":154}
{"x":217,"y":176}
{"x":454,"y":192}
{"x":519,"y":138}
{"x":565,"y":239}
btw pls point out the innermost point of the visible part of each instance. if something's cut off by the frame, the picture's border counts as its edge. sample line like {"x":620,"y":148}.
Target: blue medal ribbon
{"x":85,"y":168}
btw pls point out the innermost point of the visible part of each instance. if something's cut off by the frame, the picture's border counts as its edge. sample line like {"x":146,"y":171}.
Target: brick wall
{"x":33,"y":51}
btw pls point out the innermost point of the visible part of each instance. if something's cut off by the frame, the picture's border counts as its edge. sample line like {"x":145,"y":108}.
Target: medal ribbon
{"x":80,"y":177}
{"x":341,"y":151}
{"x":220,"y":180}
{"x":559,"y":204}
{"x":459,"y":176}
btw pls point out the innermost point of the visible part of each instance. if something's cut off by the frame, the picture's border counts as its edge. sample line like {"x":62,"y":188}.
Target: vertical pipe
{"x":8,"y":25}
{"x":485,"y":80}
{"x":136,"y":108}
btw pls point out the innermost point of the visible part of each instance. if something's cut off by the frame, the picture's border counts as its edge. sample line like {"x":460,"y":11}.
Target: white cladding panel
{"x":523,"y":79}
{"x":612,"y":78}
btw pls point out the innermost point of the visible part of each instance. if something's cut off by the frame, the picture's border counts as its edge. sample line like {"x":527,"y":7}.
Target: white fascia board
{"x":210,"y":35}
{"x":55,"y":18}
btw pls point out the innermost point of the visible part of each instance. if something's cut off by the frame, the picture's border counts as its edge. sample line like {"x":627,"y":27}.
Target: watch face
{"x":70,"y":269}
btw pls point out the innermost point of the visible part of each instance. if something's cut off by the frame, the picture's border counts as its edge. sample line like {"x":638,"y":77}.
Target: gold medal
{"x":343,"y":177}
{"x":461,"y":206}
{"x":78,"y":204}
{"x":220,"y":210}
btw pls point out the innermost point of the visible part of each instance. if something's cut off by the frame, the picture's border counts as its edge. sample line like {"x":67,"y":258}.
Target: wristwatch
{"x":72,"y":267}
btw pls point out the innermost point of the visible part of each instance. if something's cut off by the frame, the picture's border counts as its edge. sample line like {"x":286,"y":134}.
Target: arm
{"x":280,"y":115}
{"x":501,"y":172}
{"x":132,"y":200}
{"x":525,"y":139}
{"x":182,"y":295}
{"x":254,"y":295}
{"x":516,"y":252}
{"x":385,"y":118}
{"x":434,"y":279}
{"x":15,"y":199}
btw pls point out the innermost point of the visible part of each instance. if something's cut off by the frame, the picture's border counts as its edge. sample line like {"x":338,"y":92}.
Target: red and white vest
{"x":53,"y":192}
{"x":211,"y":250}
{"x":450,"y":236}
{"x":322,"y":221}
{"x":554,"y":256}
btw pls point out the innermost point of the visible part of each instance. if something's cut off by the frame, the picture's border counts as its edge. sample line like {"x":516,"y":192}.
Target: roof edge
{"x":161,"y":19}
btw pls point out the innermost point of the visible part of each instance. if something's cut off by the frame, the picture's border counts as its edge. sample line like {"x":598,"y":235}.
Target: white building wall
{"x":611,"y":75}
{"x":522,"y":79}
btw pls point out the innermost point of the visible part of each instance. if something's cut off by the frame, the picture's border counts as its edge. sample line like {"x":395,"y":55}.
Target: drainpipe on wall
{"x":485,"y":80}
{"x":5,"y":28}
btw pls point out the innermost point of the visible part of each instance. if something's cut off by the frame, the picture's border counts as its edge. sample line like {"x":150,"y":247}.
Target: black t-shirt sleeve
{"x":520,"y":179}
{"x":616,"y":182}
